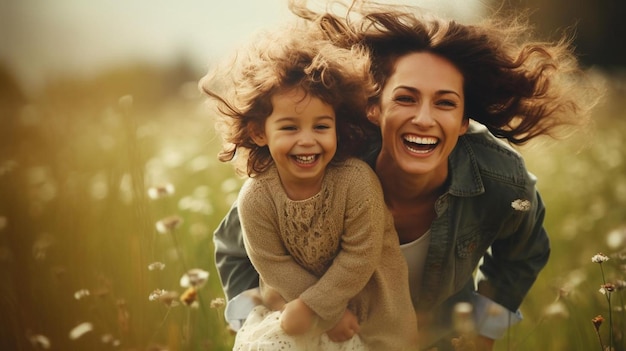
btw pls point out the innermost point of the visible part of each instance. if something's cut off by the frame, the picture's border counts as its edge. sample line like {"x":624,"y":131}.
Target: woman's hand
{"x":345,"y":329}
{"x":297,"y":318}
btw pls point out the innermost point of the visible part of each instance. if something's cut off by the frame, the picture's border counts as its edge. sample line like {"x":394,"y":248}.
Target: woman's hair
{"x":279,"y":60}
{"x":517,"y":88}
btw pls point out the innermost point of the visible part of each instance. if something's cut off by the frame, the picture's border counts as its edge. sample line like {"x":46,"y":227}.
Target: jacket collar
{"x":465,"y":178}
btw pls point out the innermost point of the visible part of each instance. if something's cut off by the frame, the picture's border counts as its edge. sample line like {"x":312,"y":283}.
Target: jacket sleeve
{"x":236,"y":272}
{"x":516,"y":257}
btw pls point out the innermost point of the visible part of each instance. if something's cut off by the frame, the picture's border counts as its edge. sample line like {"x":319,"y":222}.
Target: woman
{"x":457,"y":190}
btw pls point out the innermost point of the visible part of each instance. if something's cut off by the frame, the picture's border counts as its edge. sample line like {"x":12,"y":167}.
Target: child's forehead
{"x":295,"y":95}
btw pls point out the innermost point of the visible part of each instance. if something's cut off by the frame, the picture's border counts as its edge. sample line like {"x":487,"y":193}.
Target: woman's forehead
{"x":423,"y":69}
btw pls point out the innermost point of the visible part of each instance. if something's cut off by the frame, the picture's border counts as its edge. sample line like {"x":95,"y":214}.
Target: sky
{"x":40,"y":39}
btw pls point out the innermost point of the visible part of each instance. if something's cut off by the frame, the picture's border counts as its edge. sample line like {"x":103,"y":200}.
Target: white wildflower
{"x":80,"y":330}
{"x":218,"y":302}
{"x":195,"y":277}
{"x":168,"y":224}
{"x":556,"y":309}
{"x":160,"y":191}
{"x":616,"y":238}
{"x":521,"y":205}
{"x":39,"y":341}
{"x":156,"y":294}
{"x":599,"y":258}
{"x":82,"y":293}
{"x":156,"y":266}
{"x":169,"y":298}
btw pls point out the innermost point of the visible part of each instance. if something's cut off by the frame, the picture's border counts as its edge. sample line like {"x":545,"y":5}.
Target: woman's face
{"x":421,"y":114}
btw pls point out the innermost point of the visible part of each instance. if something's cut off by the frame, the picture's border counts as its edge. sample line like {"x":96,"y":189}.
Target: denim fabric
{"x":480,"y":223}
{"x":488,"y":235}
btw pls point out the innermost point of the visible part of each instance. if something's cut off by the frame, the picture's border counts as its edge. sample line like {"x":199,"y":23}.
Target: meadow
{"x":110,"y":190}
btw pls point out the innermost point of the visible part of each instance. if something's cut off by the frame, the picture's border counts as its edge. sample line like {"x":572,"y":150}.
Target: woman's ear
{"x":373,"y":114}
{"x":257,"y":135}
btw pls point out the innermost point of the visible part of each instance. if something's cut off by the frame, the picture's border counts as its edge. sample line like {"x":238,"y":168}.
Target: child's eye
{"x":288,"y":128}
{"x":322,"y":126}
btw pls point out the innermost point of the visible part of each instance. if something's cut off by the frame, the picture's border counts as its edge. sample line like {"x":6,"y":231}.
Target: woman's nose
{"x":423,"y":116}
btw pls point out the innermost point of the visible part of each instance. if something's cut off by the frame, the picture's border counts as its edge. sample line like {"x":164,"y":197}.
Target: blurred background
{"x":110,"y":188}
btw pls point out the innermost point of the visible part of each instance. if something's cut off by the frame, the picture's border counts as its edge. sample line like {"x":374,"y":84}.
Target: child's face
{"x":301,"y":136}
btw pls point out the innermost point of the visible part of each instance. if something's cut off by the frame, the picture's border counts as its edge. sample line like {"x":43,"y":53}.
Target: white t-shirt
{"x":415,"y":255}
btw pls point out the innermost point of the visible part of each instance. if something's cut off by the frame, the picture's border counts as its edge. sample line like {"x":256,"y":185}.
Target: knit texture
{"x":335,"y":250}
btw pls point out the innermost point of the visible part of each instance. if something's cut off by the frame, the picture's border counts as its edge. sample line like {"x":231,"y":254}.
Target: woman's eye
{"x":447,"y":103}
{"x":404,"y":99}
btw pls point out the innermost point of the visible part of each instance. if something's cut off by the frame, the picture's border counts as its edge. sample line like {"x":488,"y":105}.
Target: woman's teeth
{"x":420,"y":145}
{"x":421,"y":140}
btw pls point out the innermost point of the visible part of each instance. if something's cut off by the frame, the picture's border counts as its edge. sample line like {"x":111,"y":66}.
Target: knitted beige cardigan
{"x":335,"y":250}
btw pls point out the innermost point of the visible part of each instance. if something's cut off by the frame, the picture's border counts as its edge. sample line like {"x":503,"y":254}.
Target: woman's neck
{"x":410,"y":198}
{"x":400,"y":187}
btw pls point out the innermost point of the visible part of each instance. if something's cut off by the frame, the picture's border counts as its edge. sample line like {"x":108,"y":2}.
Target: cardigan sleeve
{"x":361,"y":248}
{"x":276,"y":267}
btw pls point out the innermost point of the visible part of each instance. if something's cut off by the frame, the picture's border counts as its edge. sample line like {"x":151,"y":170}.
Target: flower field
{"x":110,"y":190}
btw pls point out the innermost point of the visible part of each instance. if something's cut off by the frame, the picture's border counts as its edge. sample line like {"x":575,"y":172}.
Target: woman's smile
{"x":420,"y":145}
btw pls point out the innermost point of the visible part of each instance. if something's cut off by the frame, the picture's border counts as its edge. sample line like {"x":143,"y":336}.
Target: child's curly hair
{"x":283,"y":59}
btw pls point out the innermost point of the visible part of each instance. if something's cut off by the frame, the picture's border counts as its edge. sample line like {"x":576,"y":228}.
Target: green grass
{"x":75,"y":168}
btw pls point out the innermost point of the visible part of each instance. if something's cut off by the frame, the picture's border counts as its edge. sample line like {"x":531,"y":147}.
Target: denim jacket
{"x":490,"y":218}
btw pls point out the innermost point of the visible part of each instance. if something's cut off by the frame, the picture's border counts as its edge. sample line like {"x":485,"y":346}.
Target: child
{"x":314,"y":219}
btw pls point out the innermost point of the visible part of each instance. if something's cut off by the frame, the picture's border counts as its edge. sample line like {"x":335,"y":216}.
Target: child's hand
{"x":345,"y":329}
{"x":297,"y":318}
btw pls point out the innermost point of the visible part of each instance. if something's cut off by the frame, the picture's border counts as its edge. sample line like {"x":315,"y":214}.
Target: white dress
{"x":262,"y":332}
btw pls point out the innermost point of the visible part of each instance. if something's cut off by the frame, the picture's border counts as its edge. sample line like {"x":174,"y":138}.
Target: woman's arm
{"x":237,"y":274}
{"x":515,"y":260}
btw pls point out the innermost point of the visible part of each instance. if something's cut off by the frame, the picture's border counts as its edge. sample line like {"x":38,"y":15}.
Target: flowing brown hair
{"x":518,"y":88}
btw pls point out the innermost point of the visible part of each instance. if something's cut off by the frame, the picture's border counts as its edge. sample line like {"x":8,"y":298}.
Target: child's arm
{"x":366,"y":218}
{"x":264,"y":246}
{"x":361,"y":246}
{"x":297,"y":318}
